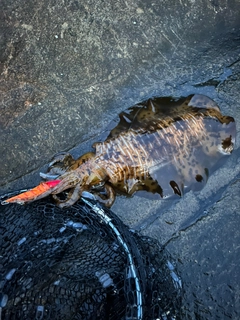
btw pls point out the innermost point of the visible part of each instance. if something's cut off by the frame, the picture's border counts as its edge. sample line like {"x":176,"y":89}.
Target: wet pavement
{"x":68,"y":68}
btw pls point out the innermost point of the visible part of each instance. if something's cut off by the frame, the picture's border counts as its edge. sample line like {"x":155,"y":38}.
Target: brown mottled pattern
{"x":161,"y":146}
{"x":187,"y":137}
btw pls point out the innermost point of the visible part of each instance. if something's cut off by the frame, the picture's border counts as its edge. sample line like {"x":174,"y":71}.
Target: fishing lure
{"x":161,"y":147}
{"x":35,"y":193}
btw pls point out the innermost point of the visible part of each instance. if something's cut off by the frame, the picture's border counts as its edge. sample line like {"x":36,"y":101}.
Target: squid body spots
{"x":165,"y":145}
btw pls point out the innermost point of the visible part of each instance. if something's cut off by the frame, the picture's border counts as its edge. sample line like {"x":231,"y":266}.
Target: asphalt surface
{"x":68,"y":68}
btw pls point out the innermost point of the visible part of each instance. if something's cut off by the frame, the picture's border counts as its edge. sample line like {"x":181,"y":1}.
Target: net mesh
{"x":81,"y":263}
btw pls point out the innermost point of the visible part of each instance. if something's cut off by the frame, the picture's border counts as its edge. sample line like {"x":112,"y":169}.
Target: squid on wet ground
{"x":161,"y":147}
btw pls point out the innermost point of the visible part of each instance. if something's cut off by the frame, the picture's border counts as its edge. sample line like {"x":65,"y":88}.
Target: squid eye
{"x":98,"y":186}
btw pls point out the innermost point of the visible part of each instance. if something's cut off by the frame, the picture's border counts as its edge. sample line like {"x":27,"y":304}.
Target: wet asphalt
{"x":68,"y":68}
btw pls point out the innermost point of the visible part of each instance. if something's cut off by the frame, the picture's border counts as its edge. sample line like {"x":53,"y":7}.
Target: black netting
{"x":81,"y":263}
